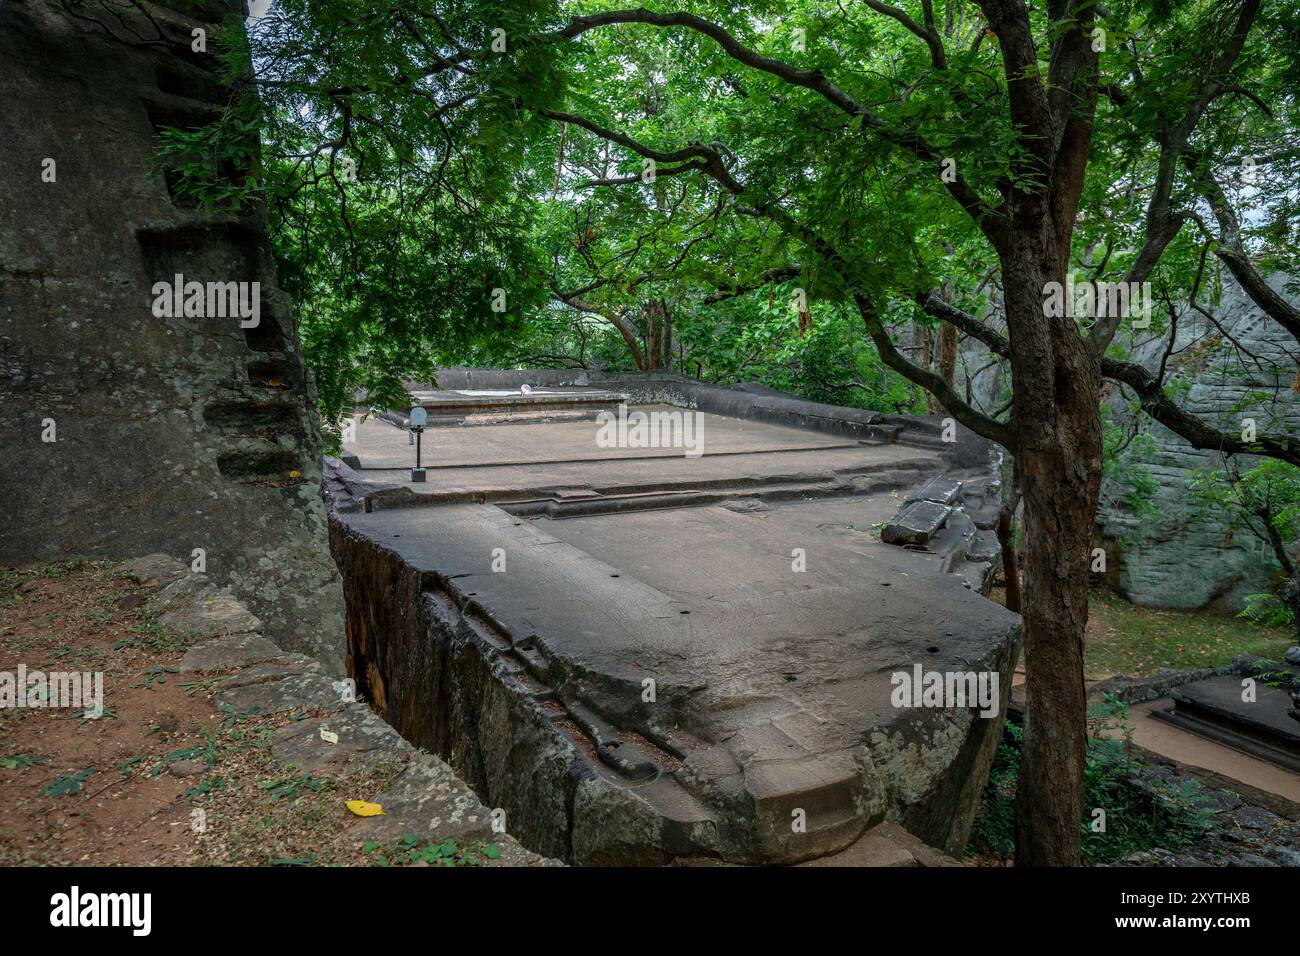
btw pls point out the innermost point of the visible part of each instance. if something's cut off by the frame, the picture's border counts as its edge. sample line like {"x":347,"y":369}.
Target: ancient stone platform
{"x":648,"y":658}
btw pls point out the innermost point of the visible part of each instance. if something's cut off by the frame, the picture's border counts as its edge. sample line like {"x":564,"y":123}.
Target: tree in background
{"x":1263,"y":501}
{"x":399,"y":177}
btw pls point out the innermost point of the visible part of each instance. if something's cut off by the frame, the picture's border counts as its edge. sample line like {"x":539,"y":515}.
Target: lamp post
{"x":418,"y":419}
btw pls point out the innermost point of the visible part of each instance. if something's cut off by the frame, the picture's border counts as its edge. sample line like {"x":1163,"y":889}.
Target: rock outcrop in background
{"x":1174,"y":553}
{"x":1182,"y":555}
{"x":126,"y":433}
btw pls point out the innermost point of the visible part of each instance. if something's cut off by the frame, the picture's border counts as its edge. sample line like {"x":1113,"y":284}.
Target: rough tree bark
{"x":1059,"y":460}
{"x":1010,"y":560}
{"x":658,"y":335}
{"x":1058,"y":446}
{"x":947,"y":357}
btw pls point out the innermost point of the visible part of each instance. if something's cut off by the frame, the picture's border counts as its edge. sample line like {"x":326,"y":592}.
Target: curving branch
{"x":732,"y":290}
{"x":575,"y":301}
{"x":1197,"y":433}
{"x":707,"y":159}
{"x":932,"y":303}
{"x":929,"y":33}
{"x":1148,"y":387}
{"x":990,"y":428}
{"x":985,"y":216}
{"x":1232,"y":251}
{"x":931,"y":381}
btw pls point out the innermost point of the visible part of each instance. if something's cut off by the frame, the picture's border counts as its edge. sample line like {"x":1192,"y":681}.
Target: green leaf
{"x":20,"y":762}
{"x":69,"y":784}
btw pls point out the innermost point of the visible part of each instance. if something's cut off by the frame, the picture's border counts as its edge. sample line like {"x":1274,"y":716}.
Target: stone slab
{"x":916,"y":523}
{"x":510,"y":612}
{"x":1221,"y":697}
{"x":944,"y":491}
{"x":226,"y":653}
{"x":770,"y":673}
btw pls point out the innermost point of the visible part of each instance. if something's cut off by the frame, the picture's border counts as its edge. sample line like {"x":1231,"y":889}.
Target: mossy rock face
{"x":1179,"y":556}
{"x":174,"y":432}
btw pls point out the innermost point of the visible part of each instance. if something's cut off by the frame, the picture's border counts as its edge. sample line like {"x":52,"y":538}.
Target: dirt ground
{"x":162,"y":777}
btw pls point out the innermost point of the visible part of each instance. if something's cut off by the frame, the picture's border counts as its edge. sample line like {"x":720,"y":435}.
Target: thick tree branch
{"x":973,"y":419}
{"x":1148,"y":387}
{"x":732,"y":290}
{"x":1196,"y":432}
{"x":1030,"y":112}
{"x":928,"y":33}
{"x":624,"y":328}
{"x":1232,"y":252}
{"x":931,"y":381}
{"x":933,"y":304}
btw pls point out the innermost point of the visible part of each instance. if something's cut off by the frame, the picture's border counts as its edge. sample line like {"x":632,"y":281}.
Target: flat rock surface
{"x":774,"y":677}
{"x":225,"y":653}
{"x":535,"y":445}
{"x":944,"y":491}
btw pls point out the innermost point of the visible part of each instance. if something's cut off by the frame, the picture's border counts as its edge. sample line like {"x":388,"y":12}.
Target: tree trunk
{"x":948,"y":354}
{"x":651,"y":336}
{"x":665,"y":335}
{"x":658,"y":335}
{"x":925,"y":339}
{"x":1289,"y":595}
{"x":629,"y":333}
{"x":1059,"y":461}
{"x":1010,"y":562}
{"x":947,"y":344}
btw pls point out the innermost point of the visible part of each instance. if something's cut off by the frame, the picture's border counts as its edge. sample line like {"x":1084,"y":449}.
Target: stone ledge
{"x":886,"y":844}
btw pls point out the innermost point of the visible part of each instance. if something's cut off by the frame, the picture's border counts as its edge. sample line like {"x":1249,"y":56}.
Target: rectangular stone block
{"x":916,"y":523}
{"x":944,"y":491}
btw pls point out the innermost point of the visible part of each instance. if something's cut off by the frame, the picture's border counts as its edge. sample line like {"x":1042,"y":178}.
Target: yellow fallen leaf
{"x":363,"y":809}
{"x":295,"y":474}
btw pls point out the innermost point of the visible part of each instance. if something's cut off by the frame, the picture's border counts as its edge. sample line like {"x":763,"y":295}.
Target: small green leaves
{"x":408,"y":851}
{"x":69,"y":784}
{"x":19,"y":762}
{"x":157,"y":674}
